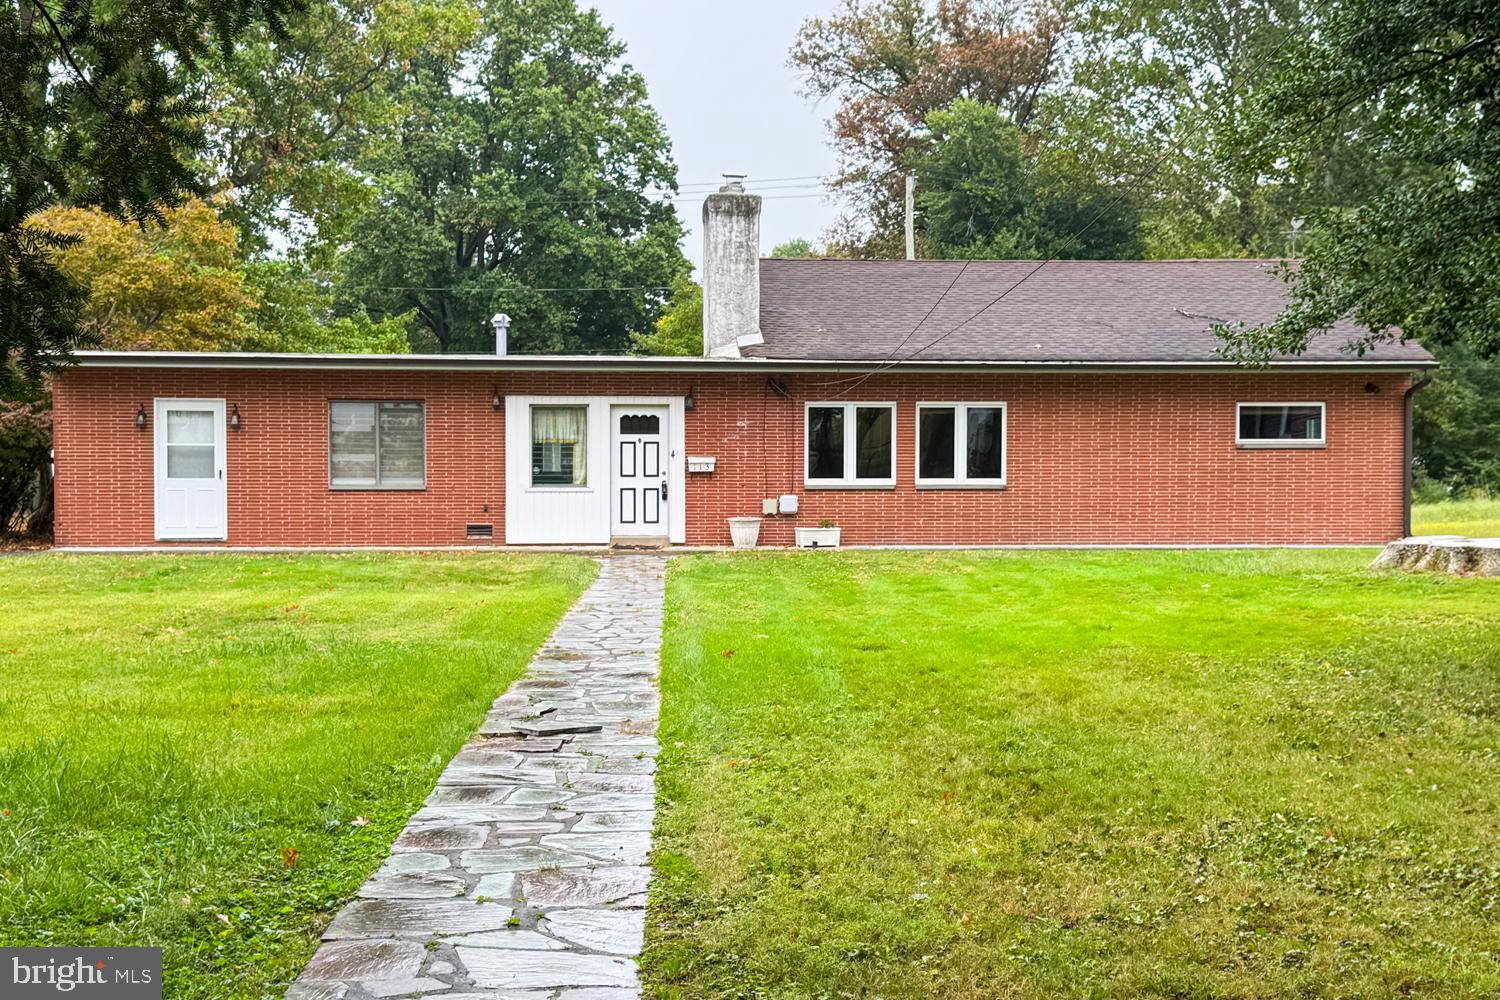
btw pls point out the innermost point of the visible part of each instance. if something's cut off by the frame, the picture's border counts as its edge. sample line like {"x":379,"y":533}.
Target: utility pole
{"x":911,"y":207}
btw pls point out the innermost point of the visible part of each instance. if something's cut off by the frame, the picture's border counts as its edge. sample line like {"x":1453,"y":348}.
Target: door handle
{"x":663,"y":489}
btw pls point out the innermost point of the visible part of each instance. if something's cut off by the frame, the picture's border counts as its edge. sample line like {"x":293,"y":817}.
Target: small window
{"x":1280,"y":425}
{"x":640,"y":423}
{"x":377,"y":445}
{"x":559,"y":445}
{"x":851,"y":444}
{"x":961,"y":444}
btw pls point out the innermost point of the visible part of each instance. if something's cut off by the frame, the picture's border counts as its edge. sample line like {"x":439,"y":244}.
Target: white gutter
{"x":695,"y":365}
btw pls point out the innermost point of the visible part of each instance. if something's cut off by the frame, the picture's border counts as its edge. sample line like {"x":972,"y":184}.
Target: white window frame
{"x":588,"y":475}
{"x":848,"y":482}
{"x":961,"y":480}
{"x":377,"y":486}
{"x":1319,"y":442}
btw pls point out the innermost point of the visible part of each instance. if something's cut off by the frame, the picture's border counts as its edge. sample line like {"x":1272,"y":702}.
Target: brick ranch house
{"x":1087,"y":406}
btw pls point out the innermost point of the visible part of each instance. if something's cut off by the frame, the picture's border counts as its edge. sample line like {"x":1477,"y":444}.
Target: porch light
{"x":497,"y":401}
{"x":234,"y":417}
{"x":140,"y":418}
{"x":689,"y":402}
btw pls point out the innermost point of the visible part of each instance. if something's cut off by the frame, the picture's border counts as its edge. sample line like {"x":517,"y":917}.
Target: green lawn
{"x":1077,"y":774}
{"x":187,"y":743}
{"x":1474,"y":518}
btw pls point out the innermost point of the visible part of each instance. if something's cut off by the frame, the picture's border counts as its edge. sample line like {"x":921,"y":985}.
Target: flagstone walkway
{"x":524,"y":876}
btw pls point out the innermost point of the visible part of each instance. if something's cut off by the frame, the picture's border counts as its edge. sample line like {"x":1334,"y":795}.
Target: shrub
{"x":25,"y":443}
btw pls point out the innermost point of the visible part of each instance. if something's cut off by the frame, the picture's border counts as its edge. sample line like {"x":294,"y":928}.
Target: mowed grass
{"x":190,"y":746}
{"x":1473,"y":518}
{"x":1076,"y":774}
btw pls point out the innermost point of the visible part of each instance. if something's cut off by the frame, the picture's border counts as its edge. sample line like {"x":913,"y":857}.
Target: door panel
{"x":640,"y":478}
{"x":190,"y":469}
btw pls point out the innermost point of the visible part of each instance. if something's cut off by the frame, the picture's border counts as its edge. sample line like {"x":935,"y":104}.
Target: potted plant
{"x":744,"y":532}
{"x":824,"y":536}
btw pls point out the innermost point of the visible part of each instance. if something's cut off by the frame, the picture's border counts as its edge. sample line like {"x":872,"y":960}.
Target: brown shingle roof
{"x":1068,"y":311}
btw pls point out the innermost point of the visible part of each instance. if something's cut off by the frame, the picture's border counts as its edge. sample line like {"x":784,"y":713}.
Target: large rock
{"x":1443,"y":554}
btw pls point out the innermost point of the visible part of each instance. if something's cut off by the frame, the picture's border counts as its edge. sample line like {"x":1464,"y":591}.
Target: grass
{"x":1076,"y":774}
{"x":1474,"y":518}
{"x":188,"y":743}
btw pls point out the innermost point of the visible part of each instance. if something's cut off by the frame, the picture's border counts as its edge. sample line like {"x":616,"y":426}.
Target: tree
{"x":518,"y":179}
{"x":94,"y":113}
{"x":797,"y":247}
{"x":982,"y":194}
{"x":679,"y":331}
{"x":1157,"y":100}
{"x":293,"y":311}
{"x":1456,"y":422}
{"x":890,"y":63}
{"x":173,"y":286}
{"x":1419,"y":254}
{"x":182,"y":285}
{"x":289,"y":115}
{"x":25,"y":447}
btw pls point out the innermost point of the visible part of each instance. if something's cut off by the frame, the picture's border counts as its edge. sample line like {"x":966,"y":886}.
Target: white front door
{"x":639,"y":459}
{"x":190,"y":495}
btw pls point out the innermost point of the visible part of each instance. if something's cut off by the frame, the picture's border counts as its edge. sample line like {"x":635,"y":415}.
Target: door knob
{"x":663,"y":489}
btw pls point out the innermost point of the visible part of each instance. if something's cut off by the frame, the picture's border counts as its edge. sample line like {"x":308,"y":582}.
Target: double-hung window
{"x":377,"y":445}
{"x":961,"y":444}
{"x":1279,"y":425}
{"x":851,"y":445}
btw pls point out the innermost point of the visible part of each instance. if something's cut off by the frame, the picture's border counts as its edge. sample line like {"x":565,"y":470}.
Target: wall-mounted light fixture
{"x":497,"y":401}
{"x":234,"y":417}
{"x":140,"y":418}
{"x":690,"y":402}
{"x":1371,"y":387}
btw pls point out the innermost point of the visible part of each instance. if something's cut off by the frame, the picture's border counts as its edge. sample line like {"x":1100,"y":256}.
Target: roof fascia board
{"x":596,"y":364}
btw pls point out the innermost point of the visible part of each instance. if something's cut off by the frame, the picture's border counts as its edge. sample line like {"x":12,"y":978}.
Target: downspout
{"x":1417,"y":386}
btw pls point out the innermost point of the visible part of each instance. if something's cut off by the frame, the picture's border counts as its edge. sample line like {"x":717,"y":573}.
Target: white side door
{"x":638,"y":499}
{"x":190,"y":493}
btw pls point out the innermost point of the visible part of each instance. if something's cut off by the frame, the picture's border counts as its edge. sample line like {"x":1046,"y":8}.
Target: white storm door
{"x":639,"y":471}
{"x":190,"y":494}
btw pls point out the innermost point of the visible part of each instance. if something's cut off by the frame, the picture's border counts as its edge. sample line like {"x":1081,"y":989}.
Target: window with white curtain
{"x":961,"y":444}
{"x":851,"y":445}
{"x":377,"y":445}
{"x":559,"y":445}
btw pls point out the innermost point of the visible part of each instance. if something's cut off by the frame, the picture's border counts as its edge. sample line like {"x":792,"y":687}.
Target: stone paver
{"x":524,"y":875}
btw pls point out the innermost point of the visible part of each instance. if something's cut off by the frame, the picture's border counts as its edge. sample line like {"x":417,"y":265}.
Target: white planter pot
{"x":744,"y":531}
{"x":818,"y":538}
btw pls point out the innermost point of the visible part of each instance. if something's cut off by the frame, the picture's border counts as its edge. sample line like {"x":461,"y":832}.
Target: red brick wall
{"x":1093,"y":458}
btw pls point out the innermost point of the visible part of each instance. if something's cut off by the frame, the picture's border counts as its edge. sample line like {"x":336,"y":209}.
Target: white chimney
{"x":731,"y":269}
{"x":501,"y":323}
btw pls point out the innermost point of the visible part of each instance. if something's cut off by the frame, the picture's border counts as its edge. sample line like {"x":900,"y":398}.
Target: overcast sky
{"x":717,"y":74}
